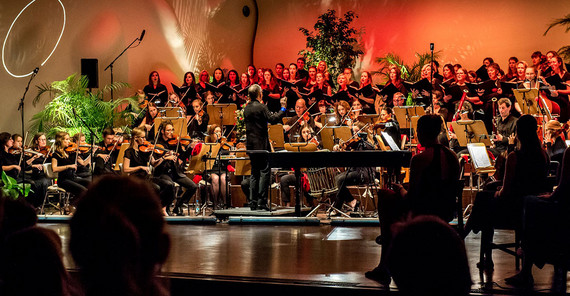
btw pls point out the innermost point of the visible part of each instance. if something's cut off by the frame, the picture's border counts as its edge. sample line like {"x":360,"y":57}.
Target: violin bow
{"x":302,"y":115}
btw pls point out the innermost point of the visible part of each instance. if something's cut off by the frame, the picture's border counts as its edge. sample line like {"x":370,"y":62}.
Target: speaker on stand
{"x":90,"y":68}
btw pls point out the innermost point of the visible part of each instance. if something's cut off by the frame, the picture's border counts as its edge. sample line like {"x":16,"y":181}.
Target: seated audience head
{"x":32,"y":264}
{"x":118,"y":238}
{"x":427,"y":257}
{"x":429,"y":127}
{"x":526,"y":132}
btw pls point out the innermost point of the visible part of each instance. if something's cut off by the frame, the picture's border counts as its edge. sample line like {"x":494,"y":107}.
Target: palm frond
{"x":565,"y":21}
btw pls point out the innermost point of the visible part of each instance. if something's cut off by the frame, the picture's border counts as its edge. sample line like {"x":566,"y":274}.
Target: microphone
{"x":431,"y":46}
{"x":142,"y":36}
{"x":36,"y":70}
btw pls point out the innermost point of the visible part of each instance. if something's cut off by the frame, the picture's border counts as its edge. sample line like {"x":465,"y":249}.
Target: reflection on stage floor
{"x":325,"y":254}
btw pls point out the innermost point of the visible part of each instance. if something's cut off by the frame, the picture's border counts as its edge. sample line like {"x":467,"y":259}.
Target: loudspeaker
{"x":90,"y":68}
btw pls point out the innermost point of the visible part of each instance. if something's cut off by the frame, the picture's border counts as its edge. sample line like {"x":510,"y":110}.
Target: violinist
{"x":143,"y":106}
{"x":9,"y":159}
{"x":148,"y":121}
{"x":171,"y":168}
{"x":174,"y":101}
{"x":65,"y":164}
{"x":198,"y":123}
{"x":156,"y":91}
{"x":35,"y":161}
{"x":106,"y":158}
{"x":294,"y":124}
{"x":138,"y":163}
{"x":83,"y":171}
{"x":342,"y":116}
{"x":219,"y":184}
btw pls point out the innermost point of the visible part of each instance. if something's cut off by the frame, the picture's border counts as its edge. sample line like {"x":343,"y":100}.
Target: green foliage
{"x":565,"y":21}
{"x":72,"y":94}
{"x":410,"y":72}
{"x":333,"y":41}
{"x":10,"y":187}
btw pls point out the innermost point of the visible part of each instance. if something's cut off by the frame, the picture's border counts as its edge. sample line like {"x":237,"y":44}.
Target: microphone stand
{"x":431,"y":45}
{"x":21,"y":109}
{"x":113,"y":62}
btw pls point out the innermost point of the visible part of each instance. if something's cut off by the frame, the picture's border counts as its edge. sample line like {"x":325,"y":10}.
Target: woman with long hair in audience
{"x":65,"y":164}
{"x":525,"y":174}
{"x":554,"y":140}
{"x":119,"y":240}
{"x":156,"y":91}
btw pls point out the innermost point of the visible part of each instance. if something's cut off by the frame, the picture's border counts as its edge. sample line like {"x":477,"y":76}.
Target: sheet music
{"x":390,"y":141}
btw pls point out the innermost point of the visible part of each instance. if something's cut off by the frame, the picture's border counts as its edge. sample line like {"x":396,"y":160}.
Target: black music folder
{"x":483,"y":88}
{"x":482,"y":74}
{"x":420,"y":86}
{"x":387,"y":90}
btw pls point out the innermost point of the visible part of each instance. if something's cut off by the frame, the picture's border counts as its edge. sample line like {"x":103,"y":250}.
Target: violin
{"x":227,"y":145}
{"x":184,"y":141}
{"x":44,"y":150}
{"x":380,"y":124}
{"x":148,"y":147}
{"x":14,"y":151}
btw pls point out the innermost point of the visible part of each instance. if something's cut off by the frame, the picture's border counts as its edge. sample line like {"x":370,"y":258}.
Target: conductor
{"x":256,"y":117}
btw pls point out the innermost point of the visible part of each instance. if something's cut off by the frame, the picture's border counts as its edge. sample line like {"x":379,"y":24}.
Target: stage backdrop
{"x":193,"y":35}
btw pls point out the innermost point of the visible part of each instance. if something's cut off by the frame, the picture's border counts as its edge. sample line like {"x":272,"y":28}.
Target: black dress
{"x":157,"y":94}
{"x":67,"y":179}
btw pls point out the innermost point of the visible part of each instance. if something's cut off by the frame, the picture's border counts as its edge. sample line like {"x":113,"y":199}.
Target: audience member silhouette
{"x":546,"y":233}
{"x":427,"y":257}
{"x":32,"y":264}
{"x":526,"y":169}
{"x":434,"y":176}
{"x":118,"y":239}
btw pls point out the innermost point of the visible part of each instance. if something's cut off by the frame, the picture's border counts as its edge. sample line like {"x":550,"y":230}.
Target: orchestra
{"x":316,"y":101}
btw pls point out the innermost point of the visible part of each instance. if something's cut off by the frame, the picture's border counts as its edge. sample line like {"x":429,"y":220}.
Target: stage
{"x":295,"y":259}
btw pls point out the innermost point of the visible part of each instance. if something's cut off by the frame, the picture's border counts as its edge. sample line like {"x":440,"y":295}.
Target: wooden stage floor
{"x":307,"y":255}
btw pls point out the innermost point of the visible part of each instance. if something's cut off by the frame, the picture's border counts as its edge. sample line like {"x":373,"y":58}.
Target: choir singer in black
{"x":256,"y":117}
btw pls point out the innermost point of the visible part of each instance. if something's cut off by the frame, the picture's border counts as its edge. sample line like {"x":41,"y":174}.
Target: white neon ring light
{"x":8,"y":34}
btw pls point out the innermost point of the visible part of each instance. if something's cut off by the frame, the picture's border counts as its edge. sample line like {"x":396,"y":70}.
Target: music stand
{"x":178,"y":123}
{"x":243,"y":166}
{"x":470,"y":131}
{"x":205,"y":159}
{"x":331,"y":134}
{"x":298,"y":147}
{"x":222,"y":114}
{"x":285,"y":119}
{"x":275,"y":132}
{"x":327,"y":118}
{"x":480,"y":158}
{"x":170,"y":112}
{"x":121,"y":157}
{"x":526,"y":99}
{"x":369,"y":118}
{"x":404,"y":116}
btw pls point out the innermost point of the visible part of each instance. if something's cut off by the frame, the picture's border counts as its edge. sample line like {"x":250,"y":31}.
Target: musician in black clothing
{"x":155,"y":91}
{"x":198,"y":123}
{"x":171,"y":169}
{"x":106,"y":157}
{"x":138,"y":163}
{"x":294,"y":124}
{"x":256,"y":117}
{"x":506,"y":126}
{"x":391,"y":126}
